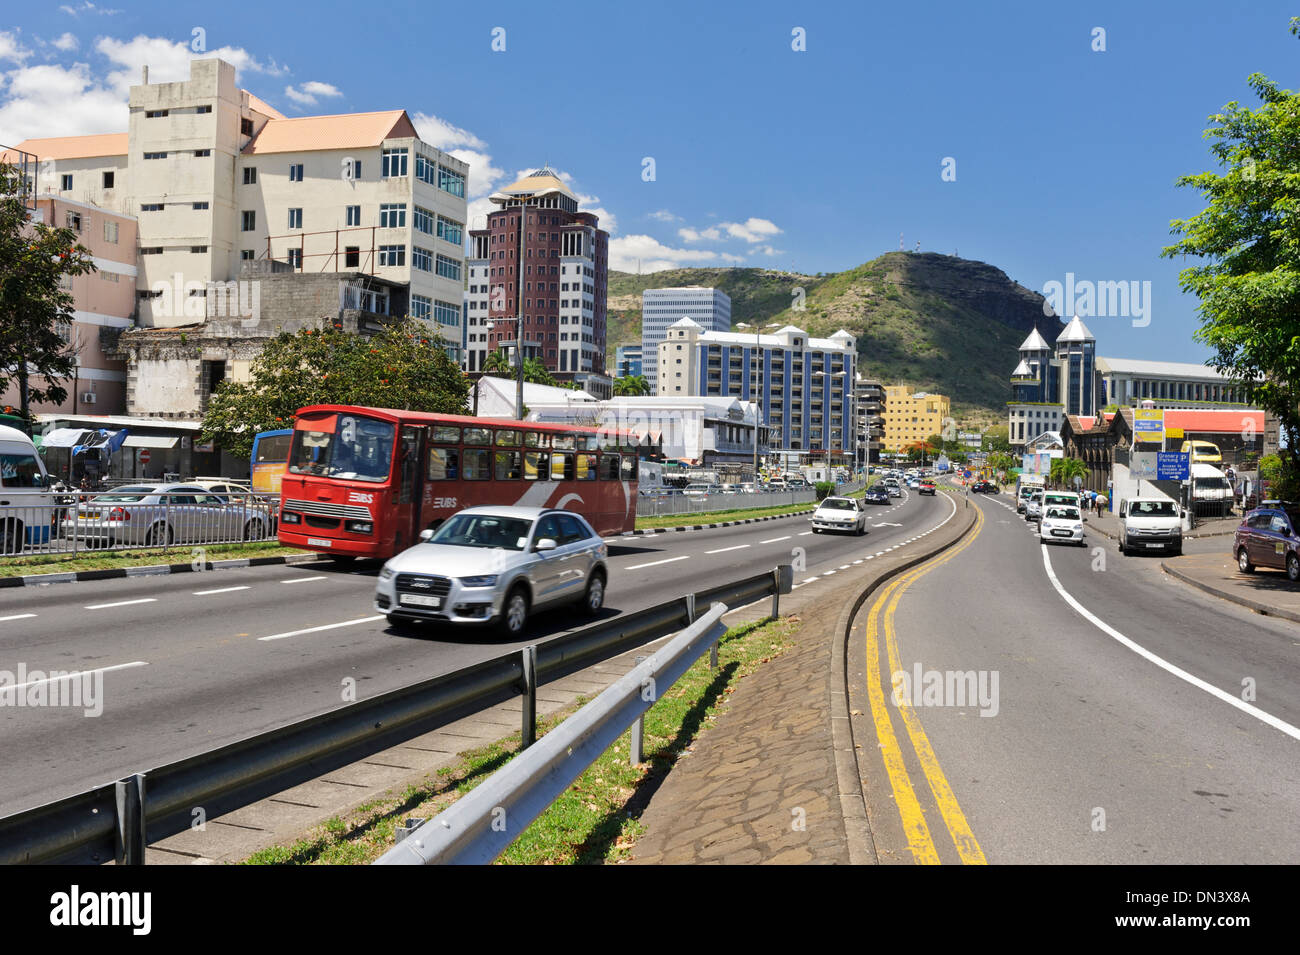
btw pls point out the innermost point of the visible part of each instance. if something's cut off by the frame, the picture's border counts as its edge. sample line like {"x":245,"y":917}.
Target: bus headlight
{"x":289,"y":517}
{"x":359,"y":527}
{"x":487,"y":580}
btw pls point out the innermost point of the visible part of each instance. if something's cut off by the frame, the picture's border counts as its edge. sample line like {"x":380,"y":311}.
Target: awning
{"x":150,"y":441}
{"x":63,"y":438}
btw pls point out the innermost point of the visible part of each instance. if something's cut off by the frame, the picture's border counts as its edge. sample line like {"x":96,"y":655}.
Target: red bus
{"x":364,"y":482}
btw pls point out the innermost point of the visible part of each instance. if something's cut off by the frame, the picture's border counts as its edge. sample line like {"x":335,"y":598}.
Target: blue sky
{"x":816,"y":160}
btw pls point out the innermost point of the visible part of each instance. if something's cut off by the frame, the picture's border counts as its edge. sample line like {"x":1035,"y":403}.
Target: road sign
{"x":1173,"y":466}
{"x":966,"y":473}
{"x":144,"y":455}
{"x":1148,"y":425}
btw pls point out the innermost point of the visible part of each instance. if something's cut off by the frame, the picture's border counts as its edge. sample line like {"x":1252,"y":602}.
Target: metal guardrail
{"x":77,"y":522}
{"x":115,"y":821}
{"x":669,"y":504}
{"x":483,"y":823}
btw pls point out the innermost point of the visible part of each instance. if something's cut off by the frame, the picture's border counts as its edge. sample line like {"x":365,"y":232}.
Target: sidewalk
{"x":1265,"y":591}
{"x":775,"y":780}
{"x":1107,"y":525}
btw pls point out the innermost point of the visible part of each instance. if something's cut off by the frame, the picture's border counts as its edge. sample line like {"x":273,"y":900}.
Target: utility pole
{"x":519,"y":316}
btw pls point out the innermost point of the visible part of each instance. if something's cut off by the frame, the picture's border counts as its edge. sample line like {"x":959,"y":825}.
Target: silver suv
{"x":496,"y":565}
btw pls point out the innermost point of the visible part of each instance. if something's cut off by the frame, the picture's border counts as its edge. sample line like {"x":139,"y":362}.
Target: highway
{"x":198,"y":660}
{"x":1134,"y":720}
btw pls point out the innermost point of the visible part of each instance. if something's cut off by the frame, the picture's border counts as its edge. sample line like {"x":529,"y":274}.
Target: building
{"x":627,"y":361}
{"x":103,"y":303}
{"x":803,"y":385}
{"x":912,"y":416}
{"x":1167,"y":384}
{"x":494,"y":397}
{"x":869,"y":414}
{"x":709,"y":308}
{"x":544,"y":261}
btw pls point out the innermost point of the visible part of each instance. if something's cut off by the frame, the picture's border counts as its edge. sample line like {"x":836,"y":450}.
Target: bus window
{"x":537,"y":465}
{"x":562,"y":442}
{"x":533,"y":439}
{"x":609,"y":467}
{"x":586,"y":469}
{"x":509,"y":465}
{"x":353,"y":447}
{"x":629,"y":467}
{"x":444,"y":464}
{"x":478,"y":436}
{"x":562,"y":467}
{"x":408,"y":461}
{"x":442,"y":434}
{"x":476,"y":463}
{"x":507,"y":439}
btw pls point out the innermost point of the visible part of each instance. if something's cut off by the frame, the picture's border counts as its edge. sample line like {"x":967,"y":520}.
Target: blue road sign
{"x":1173,"y":466}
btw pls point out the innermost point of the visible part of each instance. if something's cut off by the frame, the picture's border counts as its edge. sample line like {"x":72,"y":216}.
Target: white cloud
{"x":169,"y":60}
{"x":663,"y":215}
{"x":67,"y":43}
{"x":733,"y":259}
{"x":768,"y":250}
{"x":752,"y":229}
{"x":306,"y":94}
{"x":440,"y":134}
{"x":699,"y":235}
{"x":88,"y":7}
{"x":11,"y":49}
{"x":648,"y":254}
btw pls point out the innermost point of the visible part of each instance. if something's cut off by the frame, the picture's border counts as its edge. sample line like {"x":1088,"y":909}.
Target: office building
{"x":708,"y":308}
{"x":869,"y":414}
{"x":912,"y":416}
{"x":627,"y":361}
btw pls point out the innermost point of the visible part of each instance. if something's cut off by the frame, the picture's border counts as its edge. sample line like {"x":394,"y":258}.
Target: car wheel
{"x":11,"y":540}
{"x":594,"y":598}
{"x":159,"y":534}
{"x":253,"y":531}
{"x":1243,"y":562}
{"x":1293,"y":568}
{"x":514,"y":612}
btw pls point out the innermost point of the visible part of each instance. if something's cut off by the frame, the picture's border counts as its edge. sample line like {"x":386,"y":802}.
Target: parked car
{"x":701,"y":490}
{"x":496,"y":565}
{"x":160,"y":514}
{"x":926,"y":487}
{"x":1150,"y":523}
{"x":876,"y":495}
{"x":1061,"y":523}
{"x":1267,"y":537}
{"x":839,"y":514}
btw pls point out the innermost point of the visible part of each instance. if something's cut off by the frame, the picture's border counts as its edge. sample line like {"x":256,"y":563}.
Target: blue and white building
{"x":627,"y":361}
{"x":710,"y":308}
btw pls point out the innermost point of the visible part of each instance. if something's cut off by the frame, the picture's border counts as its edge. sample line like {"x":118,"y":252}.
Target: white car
{"x":839,"y":514}
{"x":1061,"y":523}
{"x":1034,"y":505}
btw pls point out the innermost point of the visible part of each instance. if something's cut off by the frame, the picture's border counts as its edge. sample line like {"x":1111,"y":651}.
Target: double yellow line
{"x":880,"y":622}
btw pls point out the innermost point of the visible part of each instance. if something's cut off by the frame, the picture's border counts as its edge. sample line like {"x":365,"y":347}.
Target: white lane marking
{"x":773,"y":540}
{"x":858,"y":561}
{"x":17,"y":616}
{"x":73,"y":676}
{"x":1269,"y":718}
{"x":301,"y":580}
{"x":656,"y":563}
{"x":805,"y":533}
{"x":828,"y":573}
{"x":721,"y":550}
{"x":844,"y":567}
{"x":328,"y":626}
{"x":219,"y":590}
{"x":122,"y":603}
{"x":810,"y":580}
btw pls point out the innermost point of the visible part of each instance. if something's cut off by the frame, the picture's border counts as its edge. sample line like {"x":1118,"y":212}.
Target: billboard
{"x":1148,"y":426}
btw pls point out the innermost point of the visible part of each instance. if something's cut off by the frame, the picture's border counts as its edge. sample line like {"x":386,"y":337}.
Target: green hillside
{"x":937,"y":322}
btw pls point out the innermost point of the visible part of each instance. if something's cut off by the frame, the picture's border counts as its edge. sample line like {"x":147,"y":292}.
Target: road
{"x":1118,"y":732}
{"x":200,"y":660}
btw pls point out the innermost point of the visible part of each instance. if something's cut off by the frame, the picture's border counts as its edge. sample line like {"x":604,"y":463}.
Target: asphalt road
{"x":1096,"y":750}
{"x":200,"y":660}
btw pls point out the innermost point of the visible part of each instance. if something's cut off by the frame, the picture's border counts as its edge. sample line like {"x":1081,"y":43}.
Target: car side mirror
{"x":426,"y":535}
{"x":545,"y":544}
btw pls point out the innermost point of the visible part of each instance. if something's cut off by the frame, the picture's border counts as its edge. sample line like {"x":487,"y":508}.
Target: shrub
{"x":825,"y":489}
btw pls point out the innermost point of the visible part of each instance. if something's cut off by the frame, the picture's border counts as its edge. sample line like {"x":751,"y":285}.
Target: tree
{"x":631,"y":386}
{"x":497,"y":363}
{"x":35,"y":261}
{"x":402,"y":367}
{"x":1249,"y":238}
{"x":996,"y":439}
{"x":1065,"y":470}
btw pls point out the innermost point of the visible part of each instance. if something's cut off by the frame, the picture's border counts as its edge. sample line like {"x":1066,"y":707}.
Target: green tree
{"x":402,"y":367}
{"x":496,"y":363}
{"x":996,"y":439}
{"x":36,"y":260}
{"x":1248,"y":237}
{"x":631,"y":386}
{"x":1065,"y":470}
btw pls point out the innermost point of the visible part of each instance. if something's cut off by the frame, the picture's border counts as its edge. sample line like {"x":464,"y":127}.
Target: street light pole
{"x":756,"y":391}
{"x":519,"y":317}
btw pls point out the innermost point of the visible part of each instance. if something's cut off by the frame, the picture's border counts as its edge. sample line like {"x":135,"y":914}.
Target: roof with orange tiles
{"x":262,"y":106}
{"x":345,"y":131}
{"x":72,"y":147}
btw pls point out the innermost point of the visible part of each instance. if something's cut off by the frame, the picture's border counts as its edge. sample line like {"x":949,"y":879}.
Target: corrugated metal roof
{"x":345,"y":131}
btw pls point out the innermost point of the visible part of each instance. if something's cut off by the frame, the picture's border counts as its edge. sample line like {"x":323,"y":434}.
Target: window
{"x":352,"y":257}
{"x":154,"y":113}
{"x":295,"y":218}
{"x":246,"y":255}
{"x":561,"y":467}
{"x":203,"y":109}
{"x":248,"y":220}
{"x":200,"y":249}
{"x":478,"y":436}
{"x":199,"y":205}
{"x":586,"y":467}
{"x":246,"y":127}
{"x":108,"y":180}
{"x":354,"y":215}
{"x":392,"y":255}
{"x":295,"y":259}
{"x":572,"y":530}
{"x":537,"y":465}
{"x":65,"y":183}
{"x":444,"y":463}
{"x":151,"y":207}
{"x":392,"y":215}
{"x":450,"y":230}
{"x":451,"y":182}
{"x":202,"y":153}
{"x":421,"y":259}
{"x":394,"y":164}
{"x":152,"y":250}
{"x":609,"y":467}
{"x":444,"y":434}
{"x":295,"y":172}
{"x":155,"y":155}
{"x":421,"y":307}
{"x":510,"y":465}
{"x":445,"y":313}
{"x":20,"y":470}
{"x":423,"y":220}
{"x":477,"y":464}
{"x":352,"y":169}
{"x":250,"y":174}
{"x":110,"y":231}
{"x":448,"y":268}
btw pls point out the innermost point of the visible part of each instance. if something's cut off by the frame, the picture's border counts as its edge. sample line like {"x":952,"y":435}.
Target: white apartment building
{"x":217,"y":177}
{"x":710,"y":308}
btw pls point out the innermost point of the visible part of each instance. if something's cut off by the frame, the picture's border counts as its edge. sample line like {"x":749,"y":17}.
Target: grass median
{"x":596,"y":820}
{"x":144,"y":557}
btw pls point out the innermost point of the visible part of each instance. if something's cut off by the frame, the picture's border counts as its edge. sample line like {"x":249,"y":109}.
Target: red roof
{"x":1221,"y":421}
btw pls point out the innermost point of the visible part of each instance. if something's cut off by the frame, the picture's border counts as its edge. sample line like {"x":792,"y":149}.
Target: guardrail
{"x":483,"y":823}
{"x":667,"y":505}
{"x":115,"y":821}
{"x":75,"y":522}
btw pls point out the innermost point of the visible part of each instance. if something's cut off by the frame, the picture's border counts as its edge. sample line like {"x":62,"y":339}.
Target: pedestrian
{"x":1101,"y":504}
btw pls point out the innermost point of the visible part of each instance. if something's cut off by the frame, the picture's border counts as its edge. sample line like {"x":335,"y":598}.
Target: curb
{"x":703,"y":527}
{"x":1264,"y":609}
{"x":853,"y":804}
{"x":151,"y":570}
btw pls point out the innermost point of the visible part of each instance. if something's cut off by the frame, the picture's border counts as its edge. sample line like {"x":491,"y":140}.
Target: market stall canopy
{"x":160,"y":441}
{"x":63,"y":438}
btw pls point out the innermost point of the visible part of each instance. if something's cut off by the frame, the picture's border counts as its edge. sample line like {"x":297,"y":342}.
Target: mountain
{"x":937,"y":322}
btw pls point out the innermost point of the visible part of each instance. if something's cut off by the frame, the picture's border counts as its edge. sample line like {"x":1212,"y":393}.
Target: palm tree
{"x":1065,"y":470}
{"x":497,"y":361}
{"x":631,"y":386}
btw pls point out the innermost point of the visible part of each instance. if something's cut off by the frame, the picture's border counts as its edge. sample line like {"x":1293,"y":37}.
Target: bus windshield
{"x":349,"y":447}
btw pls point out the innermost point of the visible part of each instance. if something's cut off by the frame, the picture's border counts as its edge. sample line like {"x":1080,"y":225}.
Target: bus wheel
{"x":342,"y":558}
{"x":514,"y":613}
{"x":594,"y":598}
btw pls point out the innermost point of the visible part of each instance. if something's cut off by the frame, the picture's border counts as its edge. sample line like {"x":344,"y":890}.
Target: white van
{"x":1210,"y":489}
{"x":26,"y":503}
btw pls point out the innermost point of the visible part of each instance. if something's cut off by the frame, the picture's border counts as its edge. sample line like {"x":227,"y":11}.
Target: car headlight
{"x":485,"y":580}
{"x":385,"y":573}
{"x":1078,"y":527}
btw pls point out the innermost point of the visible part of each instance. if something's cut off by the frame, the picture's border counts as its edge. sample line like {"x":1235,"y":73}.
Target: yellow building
{"x":912,"y":416}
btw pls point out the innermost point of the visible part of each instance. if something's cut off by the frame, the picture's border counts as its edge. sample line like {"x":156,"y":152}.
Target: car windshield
{"x":837,"y":504}
{"x":125,"y":495}
{"x":1063,"y":513}
{"x":483,"y":530}
{"x":1152,"y":508}
{"x":349,"y":447}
